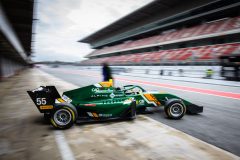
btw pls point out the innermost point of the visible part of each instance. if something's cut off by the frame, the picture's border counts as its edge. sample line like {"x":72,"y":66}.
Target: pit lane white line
{"x":64,"y":149}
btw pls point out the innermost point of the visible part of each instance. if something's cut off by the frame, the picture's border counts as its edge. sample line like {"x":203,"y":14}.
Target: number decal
{"x":41,"y":101}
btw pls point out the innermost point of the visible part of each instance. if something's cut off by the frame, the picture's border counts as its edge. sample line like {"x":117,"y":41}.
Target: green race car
{"x":102,"y":101}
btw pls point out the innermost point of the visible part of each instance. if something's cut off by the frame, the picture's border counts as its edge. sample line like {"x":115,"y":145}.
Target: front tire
{"x":131,"y":113}
{"x":63,"y":117}
{"x":133,"y":110}
{"x":175,"y":109}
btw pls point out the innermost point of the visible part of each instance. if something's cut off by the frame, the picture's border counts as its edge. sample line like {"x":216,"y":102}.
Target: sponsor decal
{"x":112,"y":95}
{"x":46,"y":107}
{"x":119,"y":95}
{"x":97,"y":90}
{"x":98,"y":115}
{"x":105,"y":115}
{"x":99,"y":95}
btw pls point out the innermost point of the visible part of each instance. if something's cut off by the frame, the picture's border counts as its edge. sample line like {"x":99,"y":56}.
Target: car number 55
{"x":41,"y":101}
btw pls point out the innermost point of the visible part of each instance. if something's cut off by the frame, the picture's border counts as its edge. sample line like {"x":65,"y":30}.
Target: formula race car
{"x":102,"y":101}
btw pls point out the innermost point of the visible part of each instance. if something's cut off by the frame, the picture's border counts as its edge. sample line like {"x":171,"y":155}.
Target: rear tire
{"x":63,"y":117}
{"x":175,"y":109}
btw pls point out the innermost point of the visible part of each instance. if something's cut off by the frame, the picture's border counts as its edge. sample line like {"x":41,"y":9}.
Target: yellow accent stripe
{"x":149,"y":97}
{"x":60,"y":100}
{"x":95,"y":114}
{"x":46,"y":107}
{"x":152,"y":98}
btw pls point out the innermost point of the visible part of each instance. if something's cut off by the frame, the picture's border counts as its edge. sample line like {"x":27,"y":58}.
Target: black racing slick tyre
{"x":130,"y":113}
{"x":63,"y":117}
{"x":175,"y":109}
{"x":133,"y":110}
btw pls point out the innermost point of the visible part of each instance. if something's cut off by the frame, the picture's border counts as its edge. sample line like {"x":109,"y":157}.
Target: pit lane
{"x":218,"y":124}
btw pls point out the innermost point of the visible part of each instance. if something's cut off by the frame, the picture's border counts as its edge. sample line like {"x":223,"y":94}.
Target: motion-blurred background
{"x":190,"y":48}
{"x":170,"y":36}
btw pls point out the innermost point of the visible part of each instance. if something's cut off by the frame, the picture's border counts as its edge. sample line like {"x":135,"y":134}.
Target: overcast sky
{"x":63,"y":22}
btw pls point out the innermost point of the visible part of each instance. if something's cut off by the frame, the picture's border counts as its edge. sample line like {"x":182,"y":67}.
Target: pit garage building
{"x":16,"y":19}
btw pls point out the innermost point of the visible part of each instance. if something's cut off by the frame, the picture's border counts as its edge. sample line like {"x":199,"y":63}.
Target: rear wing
{"x":44,"y":97}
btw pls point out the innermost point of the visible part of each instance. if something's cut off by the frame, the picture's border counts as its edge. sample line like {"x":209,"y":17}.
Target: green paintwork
{"x":101,"y":97}
{"x":99,"y":102}
{"x":110,"y":100}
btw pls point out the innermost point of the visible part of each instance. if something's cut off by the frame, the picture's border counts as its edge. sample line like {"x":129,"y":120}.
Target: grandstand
{"x":167,"y":32}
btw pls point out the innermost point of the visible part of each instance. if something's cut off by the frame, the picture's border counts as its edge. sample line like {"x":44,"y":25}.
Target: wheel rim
{"x":62,"y":117}
{"x":176,"y":110}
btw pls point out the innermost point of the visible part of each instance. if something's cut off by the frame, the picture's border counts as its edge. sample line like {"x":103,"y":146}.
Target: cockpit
{"x":131,"y":89}
{"x":128,"y":89}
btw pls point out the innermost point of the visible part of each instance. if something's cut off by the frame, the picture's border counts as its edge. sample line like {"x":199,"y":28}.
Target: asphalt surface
{"x":219,"y":124}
